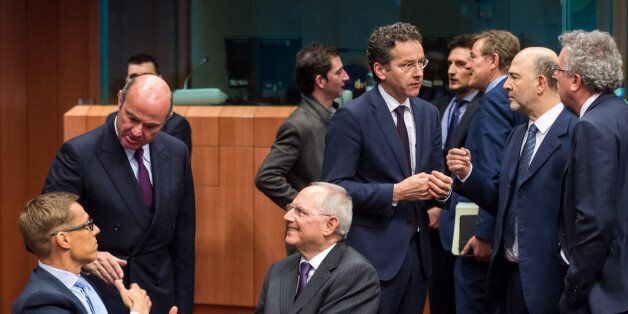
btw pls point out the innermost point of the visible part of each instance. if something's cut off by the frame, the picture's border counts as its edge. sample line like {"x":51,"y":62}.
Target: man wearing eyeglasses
{"x":594,"y":224}
{"x":384,"y":148}
{"x":326,"y":276}
{"x":63,"y":237}
{"x":136,"y":183}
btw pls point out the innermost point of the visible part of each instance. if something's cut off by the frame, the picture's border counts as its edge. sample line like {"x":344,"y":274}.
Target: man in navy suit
{"x":381,"y":148}
{"x":491,"y":55}
{"x":136,"y":183}
{"x":595,"y":215}
{"x":526,"y":274}
{"x":58,"y":230}
{"x":456,"y":114}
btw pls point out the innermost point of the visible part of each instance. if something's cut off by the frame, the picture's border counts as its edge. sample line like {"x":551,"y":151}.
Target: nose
{"x":289,"y":215}
{"x":137,"y":130}
{"x":508,"y":84}
{"x":96,"y":230}
{"x":450,"y":69}
{"x":345,"y":76}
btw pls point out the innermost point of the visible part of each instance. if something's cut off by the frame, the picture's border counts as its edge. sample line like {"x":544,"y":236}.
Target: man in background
{"x":326,"y":276}
{"x":176,"y":125}
{"x":296,"y":158}
{"x":136,"y":183}
{"x":594,"y":224}
{"x":456,"y":114}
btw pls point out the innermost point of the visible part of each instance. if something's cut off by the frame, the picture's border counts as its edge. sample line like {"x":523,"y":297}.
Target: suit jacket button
{"x":157,"y":283}
{"x":409,"y":223}
{"x":116,"y":227}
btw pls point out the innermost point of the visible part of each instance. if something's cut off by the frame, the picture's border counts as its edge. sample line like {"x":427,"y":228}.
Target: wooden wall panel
{"x":236,"y":126}
{"x":204,"y":124}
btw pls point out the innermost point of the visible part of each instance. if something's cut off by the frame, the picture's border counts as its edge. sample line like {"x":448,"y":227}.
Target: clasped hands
{"x":423,"y":186}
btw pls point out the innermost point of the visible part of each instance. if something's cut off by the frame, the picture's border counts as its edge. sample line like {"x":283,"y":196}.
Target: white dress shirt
{"x":392,"y":104}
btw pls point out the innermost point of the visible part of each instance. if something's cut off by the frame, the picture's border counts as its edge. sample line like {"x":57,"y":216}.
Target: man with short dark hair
{"x":594,"y":223}
{"x":384,"y":148}
{"x":176,"y":125}
{"x":295,"y":159}
{"x":456,"y":114}
{"x":136,"y":183}
{"x":63,"y":237}
{"x":326,"y":276}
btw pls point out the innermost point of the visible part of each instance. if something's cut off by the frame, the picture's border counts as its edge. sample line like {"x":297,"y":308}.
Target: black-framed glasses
{"x":89,"y":224}
{"x":558,"y":70}
{"x":300,"y":212}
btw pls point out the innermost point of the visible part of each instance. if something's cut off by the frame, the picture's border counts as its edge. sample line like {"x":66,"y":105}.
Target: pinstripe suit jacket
{"x":344,"y":282}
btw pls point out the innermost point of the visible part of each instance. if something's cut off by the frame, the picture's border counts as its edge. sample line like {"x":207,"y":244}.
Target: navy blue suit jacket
{"x":364,"y":154}
{"x":46,"y":294}
{"x":537,"y":203}
{"x":596,"y":209}
{"x":486,"y":140}
{"x":159,"y":248}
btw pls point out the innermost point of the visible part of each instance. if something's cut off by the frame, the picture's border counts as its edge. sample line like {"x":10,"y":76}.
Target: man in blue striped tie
{"x":62,"y":235}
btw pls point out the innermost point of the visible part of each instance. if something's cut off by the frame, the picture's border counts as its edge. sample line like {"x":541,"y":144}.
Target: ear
{"x":63,"y":240}
{"x":541,"y":84}
{"x":331,"y":226}
{"x":576,"y":82}
{"x":119,"y":100}
{"x":320,"y":81}
{"x":495,"y":61}
{"x":379,"y":71}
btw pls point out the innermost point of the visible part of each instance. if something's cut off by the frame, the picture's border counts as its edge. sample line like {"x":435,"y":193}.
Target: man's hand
{"x":134,"y":298}
{"x":107,"y":267}
{"x":440,"y":185}
{"x":414,"y":188}
{"x":482,"y":249}
{"x":459,"y":162}
{"x":434,"y":215}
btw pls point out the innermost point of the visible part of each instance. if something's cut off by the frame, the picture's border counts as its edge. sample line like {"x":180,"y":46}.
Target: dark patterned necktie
{"x":453,"y":123}
{"x":144,"y":180}
{"x":403,"y":133}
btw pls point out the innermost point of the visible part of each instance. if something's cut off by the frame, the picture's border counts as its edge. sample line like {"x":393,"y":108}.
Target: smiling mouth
{"x":292,"y":229}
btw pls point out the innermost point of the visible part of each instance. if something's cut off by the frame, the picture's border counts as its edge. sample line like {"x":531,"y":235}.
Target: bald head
{"x":144,"y":104}
{"x":531,"y":86}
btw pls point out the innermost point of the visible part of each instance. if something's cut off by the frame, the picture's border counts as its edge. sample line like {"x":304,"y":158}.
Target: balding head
{"x":531,"y":86}
{"x":144,"y":104}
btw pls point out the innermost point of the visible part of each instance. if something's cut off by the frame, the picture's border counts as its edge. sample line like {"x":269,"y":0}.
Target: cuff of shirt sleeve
{"x":468,"y":175}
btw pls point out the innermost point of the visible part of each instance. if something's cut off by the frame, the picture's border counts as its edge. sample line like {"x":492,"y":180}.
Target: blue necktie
{"x":510,"y":224}
{"x":453,"y":123}
{"x":93,"y":300}
{"x":304,"y":270}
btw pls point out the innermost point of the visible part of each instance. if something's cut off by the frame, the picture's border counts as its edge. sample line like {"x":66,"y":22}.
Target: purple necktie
{"x":304,"y":270}
{"x":144,"y":180}
{"x":403,"y":133}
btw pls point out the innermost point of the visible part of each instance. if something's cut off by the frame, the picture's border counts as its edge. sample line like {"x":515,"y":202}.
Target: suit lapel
{"x":463,"y":125}
{"x":321,"y":275}
{"x":160,"y":160}
{"x":417,"y":113}
{"x":387,"y":125}
{"x":115,"y":162}
{"x":289,"y":281}
{"x":550,"y":143}
{"x":517,"y":140}
{"x":52,"y":280}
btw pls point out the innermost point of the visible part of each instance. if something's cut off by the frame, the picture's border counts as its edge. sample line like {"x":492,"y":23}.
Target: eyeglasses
{"x":408,"y":66}
{"x":300,"y":212}
{"x":557,"y":71}
{"x":89,"y":224}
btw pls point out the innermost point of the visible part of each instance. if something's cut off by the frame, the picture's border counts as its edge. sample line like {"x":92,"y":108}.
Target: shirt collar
{"x":495,"y":82}
{"x":545,"y":121}
{"x":318,"y":259}
{"x":390,"y":101}
{"x":588,"y":103}
{"x":470,"y":96}
{"x":67,"y":278}
{"x":129,"y":152}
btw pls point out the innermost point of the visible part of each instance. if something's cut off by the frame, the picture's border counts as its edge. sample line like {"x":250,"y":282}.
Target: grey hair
{"x":595,"y":57}
{"x":337,"y":203}
{"x":546,"y":66}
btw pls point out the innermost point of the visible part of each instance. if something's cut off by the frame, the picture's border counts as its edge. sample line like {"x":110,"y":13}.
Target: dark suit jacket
{"x":486,"y":140}
{"x":537,"y":203}
{"x":447,"y":218}
{"x":45,"y":294}
{"x":296,"y":158}
{"x":159,"y":248}
{"x":344,"y":282}
{"x":596,"y":209}
{"x":364,"y":154}
{"x":176,"y":126}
